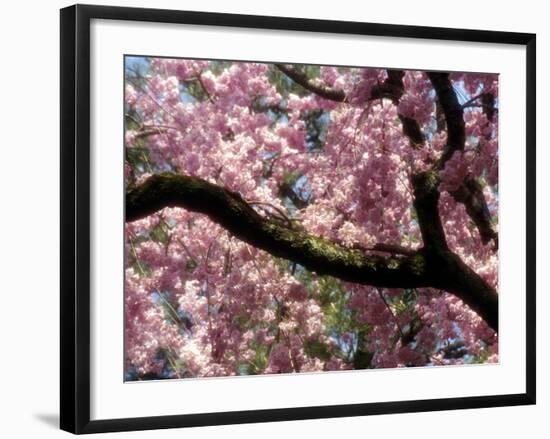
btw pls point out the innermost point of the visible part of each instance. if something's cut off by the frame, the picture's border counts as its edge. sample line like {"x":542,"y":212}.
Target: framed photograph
{"x":273,"y":218}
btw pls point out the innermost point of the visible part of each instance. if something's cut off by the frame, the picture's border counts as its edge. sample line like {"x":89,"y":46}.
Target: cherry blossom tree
{"x":290,"y":218}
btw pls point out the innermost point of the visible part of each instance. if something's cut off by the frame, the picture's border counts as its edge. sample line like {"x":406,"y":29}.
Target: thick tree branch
{"x":426,"y":204}
{"x":428,"y":267}
{"x":232,"y":212}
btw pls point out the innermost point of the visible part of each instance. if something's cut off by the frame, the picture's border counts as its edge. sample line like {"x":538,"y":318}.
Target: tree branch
{"x":428,"y":267}
{"x":320,"y":90}
{"x":471,"y":195}
{"x":232,"y":212}
{"x":426,"y":204}
{"x":285,"y":190}
{"x":392,"y":88}
{"x":470,"y":192}
{"x":150,"y":132}
{"x":454,"y":117}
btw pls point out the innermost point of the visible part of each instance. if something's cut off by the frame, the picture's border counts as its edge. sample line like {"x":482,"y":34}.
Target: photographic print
{"x":288,"y":218}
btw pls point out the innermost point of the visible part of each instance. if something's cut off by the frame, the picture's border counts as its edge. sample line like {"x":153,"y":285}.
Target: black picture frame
{"x":75,"y":217}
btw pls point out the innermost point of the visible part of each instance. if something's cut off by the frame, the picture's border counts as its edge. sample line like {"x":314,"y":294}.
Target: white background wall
{"x":29,"y":237}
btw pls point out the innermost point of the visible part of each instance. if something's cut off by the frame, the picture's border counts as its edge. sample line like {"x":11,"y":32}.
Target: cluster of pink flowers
{"x":199,"y":302}
{"x":418,"y":100}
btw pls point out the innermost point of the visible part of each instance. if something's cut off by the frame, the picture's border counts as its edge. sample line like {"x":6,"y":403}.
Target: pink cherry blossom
{"x":200,"y":302}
